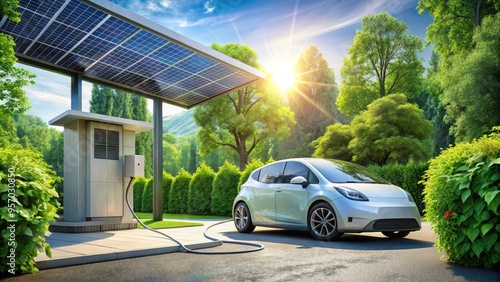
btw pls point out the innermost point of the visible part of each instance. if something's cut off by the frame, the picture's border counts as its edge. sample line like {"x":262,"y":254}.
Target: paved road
{"x":288,"y":256}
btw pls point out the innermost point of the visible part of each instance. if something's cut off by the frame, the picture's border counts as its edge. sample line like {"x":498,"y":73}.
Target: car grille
{"x":396,"y":224}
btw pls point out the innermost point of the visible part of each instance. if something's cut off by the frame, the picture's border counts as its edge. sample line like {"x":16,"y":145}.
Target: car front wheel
{"x":242,"y":218}
{"x":396,"y":234}
{"x":322,"y":223}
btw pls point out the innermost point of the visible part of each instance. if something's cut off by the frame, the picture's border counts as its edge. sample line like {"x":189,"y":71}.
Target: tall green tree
{"x":383,"y":60}
{"x":335,"y":143}
{"x":245,"y":118}
{"x":452,"y":30}
{"x":390,"y":131}
{"x":472,"y":87}
{"x":313,"y":96}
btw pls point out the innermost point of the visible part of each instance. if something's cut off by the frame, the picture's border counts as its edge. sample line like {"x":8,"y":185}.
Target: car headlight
{"x":351,"y":194}
{"x":410,"y":197}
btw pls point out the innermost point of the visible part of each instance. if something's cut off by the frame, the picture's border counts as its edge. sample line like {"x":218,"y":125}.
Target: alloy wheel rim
{"x":241,"y":217}
{"x":323,"y":222}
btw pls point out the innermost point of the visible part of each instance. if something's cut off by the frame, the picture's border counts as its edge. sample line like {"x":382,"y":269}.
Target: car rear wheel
{"x":322,"y":223}
{"x":242,"y":218}
{"x":396,"y":234}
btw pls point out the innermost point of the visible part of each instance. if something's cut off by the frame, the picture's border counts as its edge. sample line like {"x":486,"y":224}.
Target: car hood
{"x":375,"y":190}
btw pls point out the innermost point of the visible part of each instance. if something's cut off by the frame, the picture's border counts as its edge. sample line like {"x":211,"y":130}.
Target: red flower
{"x":448,"y":214}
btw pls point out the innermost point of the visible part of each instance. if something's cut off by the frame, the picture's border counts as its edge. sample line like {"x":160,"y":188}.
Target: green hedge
{"x":408,"y":177}
{"x":28,"y":202}
{"x":200,"y":189}
{"x":225,"y":189}
{"x":462,"y":198}
{"x":138,"y":191}
{"x":178,"y":197}
{"x":147,"y":196}
{"x":167,"y":184}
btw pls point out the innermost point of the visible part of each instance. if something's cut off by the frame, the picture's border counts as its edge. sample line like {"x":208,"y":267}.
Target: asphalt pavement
{"x":139,"y":255}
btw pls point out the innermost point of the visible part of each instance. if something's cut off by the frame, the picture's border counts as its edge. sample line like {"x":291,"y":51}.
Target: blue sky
{"x":278,"y":30}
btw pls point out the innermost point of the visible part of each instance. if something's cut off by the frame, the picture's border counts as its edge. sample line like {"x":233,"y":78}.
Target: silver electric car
{"x":327,"y":197}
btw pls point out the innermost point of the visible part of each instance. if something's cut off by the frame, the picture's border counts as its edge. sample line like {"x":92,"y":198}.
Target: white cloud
{"x":209,"y":7}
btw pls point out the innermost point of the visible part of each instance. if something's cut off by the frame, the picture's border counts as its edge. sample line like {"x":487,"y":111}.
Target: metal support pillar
{"x":157,"y":159}
{"x":76,"y":92}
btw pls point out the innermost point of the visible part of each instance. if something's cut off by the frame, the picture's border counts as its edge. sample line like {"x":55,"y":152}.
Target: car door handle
{"x":278,"y":189}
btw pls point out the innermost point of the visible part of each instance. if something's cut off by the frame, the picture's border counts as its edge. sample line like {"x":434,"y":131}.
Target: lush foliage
{"x":391,"y":130}
{"x":312,"y":99}
{"x":139,"y":184}
{"x":178,"y":197}
{"x":27,"y":196}
{"x":454,"y":21}
{"x":335,"y":143}
{"x":383,"y":60}
{"x":472,"y":87}
{"x":225,"y":189}
{"x":200,"y":190}
{"x":246,"y":118}
{"x":408,"y":177}
{"x":167,"y":184}
{"x":462,"y":201}
{"x":147,"y":196}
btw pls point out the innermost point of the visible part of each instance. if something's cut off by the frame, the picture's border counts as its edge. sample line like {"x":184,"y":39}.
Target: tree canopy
{"x":390,"y":130}
{"x":245,"y":118}
{"x":382,"y":60}
{"x":471,"y":89}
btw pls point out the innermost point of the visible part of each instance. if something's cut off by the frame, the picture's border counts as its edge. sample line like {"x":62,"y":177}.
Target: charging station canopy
{"x":110,"y":45}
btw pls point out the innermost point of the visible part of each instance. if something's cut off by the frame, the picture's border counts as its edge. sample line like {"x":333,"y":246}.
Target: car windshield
{"x":344,"y":172}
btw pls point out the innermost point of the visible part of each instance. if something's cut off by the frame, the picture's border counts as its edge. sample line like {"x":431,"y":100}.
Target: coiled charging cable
{"x":258,"y":247}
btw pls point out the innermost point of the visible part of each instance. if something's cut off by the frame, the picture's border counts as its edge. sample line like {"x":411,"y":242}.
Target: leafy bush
{"x":251,"y":166}
{"x":200,"y":189}
{"x":138,"y":191}
{"x":462,"y":199}
{"x":178,"y":197}
{"x":167,"y":184}
{"x":225,"y":189}
{"x":28,"y":203}
{"x":147,"y":196}
{"x":407,"y":176}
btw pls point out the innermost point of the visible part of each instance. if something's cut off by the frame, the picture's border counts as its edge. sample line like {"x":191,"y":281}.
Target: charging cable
{"x":258,"y":247}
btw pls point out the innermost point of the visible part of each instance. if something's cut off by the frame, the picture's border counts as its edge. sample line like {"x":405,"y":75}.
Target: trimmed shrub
{"x":147,"y":196}
{"x":200,"y":189}
{"x":28,"y":202}
{"x":178,"y":197}
{"x":251,"y":166}
{"x":407,"y":176}
{"x":138,"y":191}
{"x":225,"y":189}
{"x":462,"y":199}
{"x":167,"y":184}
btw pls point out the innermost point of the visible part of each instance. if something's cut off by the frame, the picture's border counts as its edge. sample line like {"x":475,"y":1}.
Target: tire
{"x":396,"y":234}
{"x":322,"y":223}
{"x":243,"y":219}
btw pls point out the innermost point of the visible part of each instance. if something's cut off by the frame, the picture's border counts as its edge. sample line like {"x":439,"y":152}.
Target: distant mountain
{"x":181,"y":124}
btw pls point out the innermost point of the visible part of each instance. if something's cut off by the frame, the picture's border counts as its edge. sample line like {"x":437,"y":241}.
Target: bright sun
{"x":283,"y":75}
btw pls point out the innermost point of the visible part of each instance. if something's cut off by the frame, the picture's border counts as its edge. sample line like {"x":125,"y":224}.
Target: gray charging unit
{"x":99,"y":159}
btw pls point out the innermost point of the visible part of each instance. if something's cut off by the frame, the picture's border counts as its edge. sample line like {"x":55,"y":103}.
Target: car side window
{"x":294,"y":169}
{"x":255,"y":175}
{"x":270,"y":174}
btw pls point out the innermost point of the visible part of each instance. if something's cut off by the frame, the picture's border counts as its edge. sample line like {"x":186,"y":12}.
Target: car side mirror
{"x":300,"y":180}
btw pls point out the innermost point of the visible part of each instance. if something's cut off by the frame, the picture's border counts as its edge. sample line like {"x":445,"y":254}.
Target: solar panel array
{"x":72,"y":35}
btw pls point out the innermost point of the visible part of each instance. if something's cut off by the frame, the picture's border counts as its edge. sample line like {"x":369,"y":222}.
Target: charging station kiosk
{"x":99,"y":158}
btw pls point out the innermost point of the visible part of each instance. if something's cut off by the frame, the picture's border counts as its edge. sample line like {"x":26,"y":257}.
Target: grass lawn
{"x":169,"y":220}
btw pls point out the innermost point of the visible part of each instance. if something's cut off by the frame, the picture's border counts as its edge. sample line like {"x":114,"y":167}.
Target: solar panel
{"x":102,"y":41}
